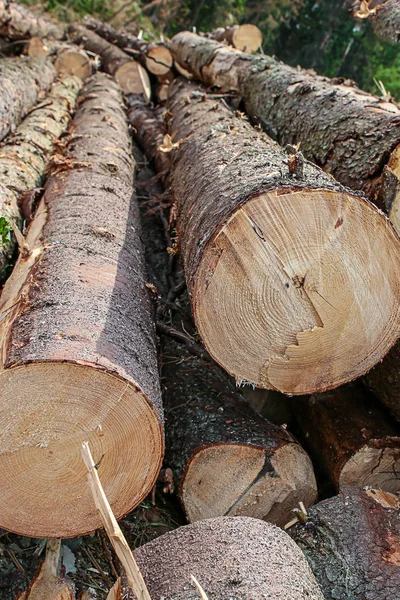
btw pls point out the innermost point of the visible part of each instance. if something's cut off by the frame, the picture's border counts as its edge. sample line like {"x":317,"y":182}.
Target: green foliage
{"x":5,"y":230}
{"x":69,"y":10}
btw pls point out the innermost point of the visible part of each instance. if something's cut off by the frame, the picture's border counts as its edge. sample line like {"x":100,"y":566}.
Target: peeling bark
{"x":244,"y":210}
{"x":351,"y":438}
{"x":231,"y":558}
{"x":353,"y":133}
{"x":352,"y":544}
{"x":24,"y":158}
{"x":21,"y":83}
{"x":128,"y":73}
{"x":78,"y":341}
{"x":16,"y":22}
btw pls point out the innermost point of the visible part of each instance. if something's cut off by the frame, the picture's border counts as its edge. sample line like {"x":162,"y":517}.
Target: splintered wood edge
{"x":231,"y":480}
{"x":374,"y":467}
{"x":299,"y":291}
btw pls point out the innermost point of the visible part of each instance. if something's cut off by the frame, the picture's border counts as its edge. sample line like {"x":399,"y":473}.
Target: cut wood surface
{"x":22,"y":81}
{"x":286,"y":291}
{"x":345,"y":130}
{"x":384,"y":16}
{"x":17,"y":22}
{"x":130,"y":75}
{"x":69,"y":59}
{"x":351,"y":438}
{"x":24,"y":158}
{"x":247,"y":37}
{"x":78,"y":349}
{"x":231,"y":558}
{"x":156,"y":58}
{"x":351,"y":542}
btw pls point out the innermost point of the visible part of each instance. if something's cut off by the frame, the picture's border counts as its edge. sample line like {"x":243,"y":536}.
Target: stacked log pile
{"x":289,"y":282}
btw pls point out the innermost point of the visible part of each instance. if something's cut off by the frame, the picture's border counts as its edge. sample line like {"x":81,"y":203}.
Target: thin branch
{"x":192,"y":346}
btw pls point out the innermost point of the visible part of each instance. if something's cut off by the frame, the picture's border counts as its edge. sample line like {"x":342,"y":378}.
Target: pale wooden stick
{"x":202,"y":593}
{"x":112,"y":528}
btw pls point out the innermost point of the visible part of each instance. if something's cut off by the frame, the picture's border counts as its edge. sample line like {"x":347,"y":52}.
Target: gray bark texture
{"x":351,"y":543}
{"x":384,"y":16}
{"x":348,"y":132}
{"x":22,"y":82}
{"x":233,"y":558}
{"x":16,"y":22}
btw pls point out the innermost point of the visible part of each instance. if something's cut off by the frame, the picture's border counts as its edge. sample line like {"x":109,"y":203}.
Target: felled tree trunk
{"x":351,"y":437}
{"x":69,"y":59}
{"x":78,"y":346}
{"x":384,"y":16}
{"x":24,"y":158}
{"x":131,"y":76}
{"x":156,"y":58}
{"x":16,"y":22}
{"x":353,"y":132}
{"x":247,"y":37}
{"x":282,"y":288}
{"x":351,"y":544}
{"x":21,"y":83}
{"x":230,"y":558}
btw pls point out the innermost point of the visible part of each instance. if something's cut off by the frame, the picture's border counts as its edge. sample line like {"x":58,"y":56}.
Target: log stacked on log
{"x":285,"y":270}
{"x":78,"y":352}
{"x":384,"y":16}
{"x":21,"y":82}
{"x":351,"y":542}
{"x":247,"y":37}
{"x":231,"y":558}
{"x":24,"y":158}
{"x":346,"y":122}
{"x":16,"y":22}
{"x":128,"y":73}
{"x":225,"y":457}
{"x":156,"y":58}
{"x":69,"y":59}
{"x":351,"y":438}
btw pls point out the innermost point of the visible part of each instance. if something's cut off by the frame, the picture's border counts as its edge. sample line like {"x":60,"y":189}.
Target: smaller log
{"x":384,"y":16}
{"x":69,"y":59}
{"x":130,"y":75}
{"x":230,"y":558}
{"x":22,"y":80}
{"x":351,"y":437}
{"x":156,"y":58}
{"x":247,"y":37}
{"x":17,"y":22}
{"x":24,"y":158}
{"x":351,"y":542}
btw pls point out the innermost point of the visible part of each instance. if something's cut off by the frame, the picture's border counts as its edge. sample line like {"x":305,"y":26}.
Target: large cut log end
{"x":299,"y":290}
{"x":44,"y":480}
{"x":237,"y":480}
{"x":133,"y":79}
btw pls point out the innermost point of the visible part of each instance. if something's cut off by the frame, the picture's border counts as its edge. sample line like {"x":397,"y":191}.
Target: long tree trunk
{"x":283,"y":265}
{"x":230,"y":558}
{"x":348,"y":132}
{"x":21,"y":82}
{"x":16,"y":22}
{"x":351,"y":438}
{"x":247,"y":37}
{"x":225,"y":457}
{"x":69,"y":59}
{"x":351,"y":542}
{"x":130,"y":75}
{"x":24,"y":158}
{"x":156,"y":58}
{"x":384,"y":16}
{"x":78,"y":351}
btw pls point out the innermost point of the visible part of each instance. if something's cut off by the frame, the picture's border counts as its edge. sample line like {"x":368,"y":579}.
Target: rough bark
{"x":21,"y":83}
{"x":247,"y":38}
{"x":384,"y":381}
{"x":383,"y":15}
{"x":78,"y":340}
{"x":149,"y":131}
{"x":231,"y":558}
{"x":69,"y":59}
{"x":129,"y":73}
{"x":16,"y":22}
{"x":351,"y":542}
{"x":348,"y":132}
{"x":246,"y":247}
{"x":24,"y":158}
{"x":156,"y":58}
{"x":351,"y":437}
